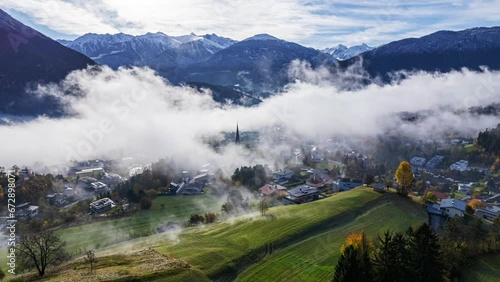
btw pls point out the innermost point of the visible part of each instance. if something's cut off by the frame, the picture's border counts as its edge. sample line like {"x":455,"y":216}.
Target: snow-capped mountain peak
{"x":342,"y":52}
{"x":223,"y":42}
{"x":148,"y":49}
{"x":262,"y":36}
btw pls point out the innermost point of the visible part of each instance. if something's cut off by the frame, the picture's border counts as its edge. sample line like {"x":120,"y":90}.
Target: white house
{"x":452,"y":207}
{"x":102,"y":205}
{"x":464,"y":188}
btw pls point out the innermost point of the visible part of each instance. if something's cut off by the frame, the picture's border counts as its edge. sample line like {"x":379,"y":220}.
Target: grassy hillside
{"x":302,"y":237}
{"x":314,"y":259}
{"x":105,"y":233}
{"x":224,"y":248}
{"x":483,"y":269}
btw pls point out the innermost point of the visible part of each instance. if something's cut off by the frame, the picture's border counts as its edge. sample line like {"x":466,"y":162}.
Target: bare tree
{"x":41,"y":250}
{"x":91,"y":259}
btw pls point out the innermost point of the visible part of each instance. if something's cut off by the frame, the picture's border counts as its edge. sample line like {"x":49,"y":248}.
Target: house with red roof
{"x":272,"y":190}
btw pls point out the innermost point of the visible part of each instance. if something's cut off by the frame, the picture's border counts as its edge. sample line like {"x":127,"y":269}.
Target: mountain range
{"x":155,"y":50}
{"x":236,"y":71}
{"x":256,"y":64}
{"x":442,"y":51}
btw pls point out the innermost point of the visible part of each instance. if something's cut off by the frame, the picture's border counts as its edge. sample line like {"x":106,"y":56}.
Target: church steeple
{"x":237,"y":140}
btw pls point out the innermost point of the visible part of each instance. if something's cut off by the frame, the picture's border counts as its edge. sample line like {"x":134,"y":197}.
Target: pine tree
{"x":391,"y":261}
{"x":353,"y":266}
{"x":425,"y":256}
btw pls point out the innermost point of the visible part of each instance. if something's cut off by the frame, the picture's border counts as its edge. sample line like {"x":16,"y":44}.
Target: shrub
{"x":210,"y":217}
{"x":146,"y":203}
{"x":196,"y":219}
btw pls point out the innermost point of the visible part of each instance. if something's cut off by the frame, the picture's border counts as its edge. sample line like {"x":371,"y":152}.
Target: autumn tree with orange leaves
{"x":475,"y":204}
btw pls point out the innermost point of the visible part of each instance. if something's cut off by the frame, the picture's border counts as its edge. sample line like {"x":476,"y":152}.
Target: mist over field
{"x":134,"y":112}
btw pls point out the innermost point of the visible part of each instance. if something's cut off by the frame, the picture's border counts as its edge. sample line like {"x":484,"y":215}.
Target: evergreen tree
{"x":353,"y":266}
{"x":425,"y":256}
{"x":391,"y":259}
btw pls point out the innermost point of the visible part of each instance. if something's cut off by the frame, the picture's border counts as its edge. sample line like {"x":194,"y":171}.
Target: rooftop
{"x":268,"y":189}
{"x":453,"y":203}
{"x":303,"y":190}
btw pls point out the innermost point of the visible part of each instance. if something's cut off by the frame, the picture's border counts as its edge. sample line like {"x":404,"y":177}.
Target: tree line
{"x":490,"y":140}
{"x":419,"y":254}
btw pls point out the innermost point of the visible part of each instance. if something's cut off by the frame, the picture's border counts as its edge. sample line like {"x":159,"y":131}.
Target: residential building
{"x":282,"y":176}
{"x":464,"y":188}
{"x":301,"y":194}
{"x":26,"y":210}
{"x":69,"y":192}
{"x":440,"y":213}
{"x":102,"y":205}
{"x":91,"y":172}
{"x":453,"y":207}
{"x":111,"y":179}
{"x":417,"y":161}
{"x":86,"y":183}
{"x":99,"y":187}
{"x":346,"y":184}
{"x":57,"y":199}
{"x":272,"y":190}
{"x":434,"y":162}
{"x":191,"y":188}
{"x":489,"y":214}
{"x":460,"y":165}
{"x":439,"y":195}
{"x":319,"y":178}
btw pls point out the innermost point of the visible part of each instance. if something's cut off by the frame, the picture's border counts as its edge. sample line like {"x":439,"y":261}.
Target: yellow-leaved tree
{"x":404,"y":177}
{"x":359,"y":241}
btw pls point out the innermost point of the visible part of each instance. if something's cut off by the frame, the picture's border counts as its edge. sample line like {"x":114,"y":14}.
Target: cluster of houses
{"x":421,"y":162}
{"x":447,"y":208}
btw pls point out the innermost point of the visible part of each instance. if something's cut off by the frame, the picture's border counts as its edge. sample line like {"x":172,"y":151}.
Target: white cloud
{"x":134,"y":112}
{"x":316,"y":23}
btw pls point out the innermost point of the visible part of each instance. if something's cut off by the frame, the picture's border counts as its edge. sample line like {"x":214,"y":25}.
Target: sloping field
{"x":101,"y":234}
{"x":483,"y":269}
{"x":223,"y":249}
{"x":314,"y":259}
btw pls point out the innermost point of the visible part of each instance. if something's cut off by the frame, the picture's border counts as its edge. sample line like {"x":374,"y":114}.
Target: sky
{"x":314,"y":23}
